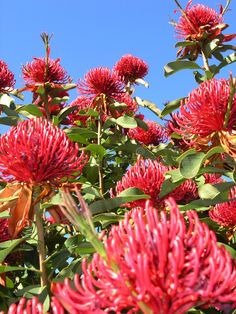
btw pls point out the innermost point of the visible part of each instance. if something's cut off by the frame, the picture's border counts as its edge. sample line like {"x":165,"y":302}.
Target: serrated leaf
{"x":175,"y":66}
{"x":171,"y":106}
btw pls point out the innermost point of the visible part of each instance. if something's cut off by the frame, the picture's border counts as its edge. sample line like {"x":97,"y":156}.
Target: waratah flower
{"x":199,"y":22}
{"x":203,"y":112}
{"x":81,"y":104}
{"x":33,"y":306}
{"x":101,"y":81}
{"x":131,"y":68}
{"x":36,"y":151}
{"x":148,"y":176}
{"x":225,"y":213}
{"x":154,"y":135}
{"x":7,"y":80}
{"x":41,"y":71}
{"x":124,"y":105}
{"x":155,"y":263}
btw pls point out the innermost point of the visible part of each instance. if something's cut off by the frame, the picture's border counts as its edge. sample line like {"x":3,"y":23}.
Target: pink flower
{"x":199,"y":22}
{"x":148,"y":175}
{"x":131,"y":68}
{"x":36,"y":152}
{"x":101,"y":81}
{"x":154,"y":135}
{"x":225,"y":213}
{"x":81,"y":103}
{"x":157,"y":263}
{"x":203,"y":112}
{"x":7,"y":80}
{"x":39,"y":72}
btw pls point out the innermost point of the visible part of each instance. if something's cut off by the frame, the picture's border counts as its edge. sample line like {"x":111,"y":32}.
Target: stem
{"x":232,"y":84}
{"x":48,"y":116}
{"x":100,"y":170}
{"x":41,"y":247}
{"x":205,"y":60}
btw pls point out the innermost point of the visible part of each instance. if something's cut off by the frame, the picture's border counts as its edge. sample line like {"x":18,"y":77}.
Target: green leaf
{"x":171,"y":106}
{"x":168,"y":186}
{"x":105,"y":219}
{"x":209,"y":191}
{"x":176,"y":66}
{"x":175,"y":175}
{"x":227,"y":60}
{"x":29,"y":110}
{"x":149,"y":105}
{"x":75,"y":245}
{"x":5,"y":214}
{"x":185,"y":44}
{"x":229,"y":249}
{"x":17,"y":94}
{"x":11,"y":244}
{"x":75,"y":132}
{"x":11,"y":121}
{"x":96,"y":150}
{"x":191,"y":164}
{"x":141,"y":124}
{"x":65,"y":112}
{"x":69,"y":86}
{"x":9,"y":111}
{"x":142,"y":82}
{"x":127,"y":122}
{"x":55,"y":200}
{"x":6,"y":100}
{"x":128,"y":195}
{"x":5,"y":269}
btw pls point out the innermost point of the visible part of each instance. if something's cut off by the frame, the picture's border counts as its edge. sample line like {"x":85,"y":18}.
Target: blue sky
{"x":95,"y":33}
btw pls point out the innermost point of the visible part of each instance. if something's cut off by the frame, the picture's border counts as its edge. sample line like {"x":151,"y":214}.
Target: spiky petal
{"x":7,"y":80}
{"x":101,"y":81}
{"x":131,"y":68}
{"x":36,"y":151}
{"x":41,"y":71}
{"x":155,"y":264}
{"x":154,"y":135}
{"x":148,"y":175}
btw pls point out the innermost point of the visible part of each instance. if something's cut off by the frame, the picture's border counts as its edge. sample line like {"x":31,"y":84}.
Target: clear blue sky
{"x":95,"y":33}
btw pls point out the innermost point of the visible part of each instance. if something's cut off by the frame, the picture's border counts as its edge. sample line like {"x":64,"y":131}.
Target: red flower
{"x":199,"y":22}
{"x":131,"y":68}
{"x":25,"y":307}
{"x":7,"y":80}
{"x":225,"y":213}
{"x":128,"y":106}
{"x":33,"y":306}
{"x":154,"y":135}
{"x":81,"y":103}
{"x":148,"y":175}
{"x":101,"y":81}
{"x":36,"y":151}
{"x":4,"y":235}
{"x":154,"y":263}
{"x":39,"y":72}
{"x":203,"y":112}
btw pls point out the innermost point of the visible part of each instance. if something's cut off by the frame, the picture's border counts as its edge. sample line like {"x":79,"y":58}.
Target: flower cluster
{"x":131,"y":68}
{"x":225,"y":213}
{"x":36,"y":151}
{"x":203,"y":113}
{"x":44,"y":70}
{"x":154,"y":135}
{"x":7,"y":80}
{"x":155,"y":263}
{"x":199,"y":22}
{"x":148,"y":175}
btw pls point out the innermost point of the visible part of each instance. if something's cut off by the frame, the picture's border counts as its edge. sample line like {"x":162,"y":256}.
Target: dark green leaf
{"x":96,"y":150}
{"x":229,"y":249}
{"x":227,"y":60}
{"x":171,"y":106}
{"x":65,"y":112}
{"x":11,"y":244}
{"x":149,"y":105}
{"x":168,"y":186}
{"x":128,"y":195}
{"x":29,"y":110}
{"x":5,"y":269}
{"x":209,"y":191}
{"x":185,"y":44}
{"x":11,"y":121}
{"x":175,"y":66}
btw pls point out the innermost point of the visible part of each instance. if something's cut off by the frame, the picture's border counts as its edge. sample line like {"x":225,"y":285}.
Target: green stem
{"x":205,"y":60}
{"x":232,"y":84}
{"x":100,"y":170}
{"x":41,"y":247}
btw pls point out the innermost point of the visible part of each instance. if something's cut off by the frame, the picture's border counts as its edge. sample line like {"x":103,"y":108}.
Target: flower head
{"x":199,"y":22}
{"x":225,"y":213}
{"x":101,"y":81}
{"x":203,"y":112}
{"x":154,"y":264}
{"x":41,"y":71}
{"x":148,"y":175}
{"x":154,"y":135}
{"x":7,"y":80}
{"x":36,"y":152}
{"x":131,"y":68}
{"x":81,"y":103}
